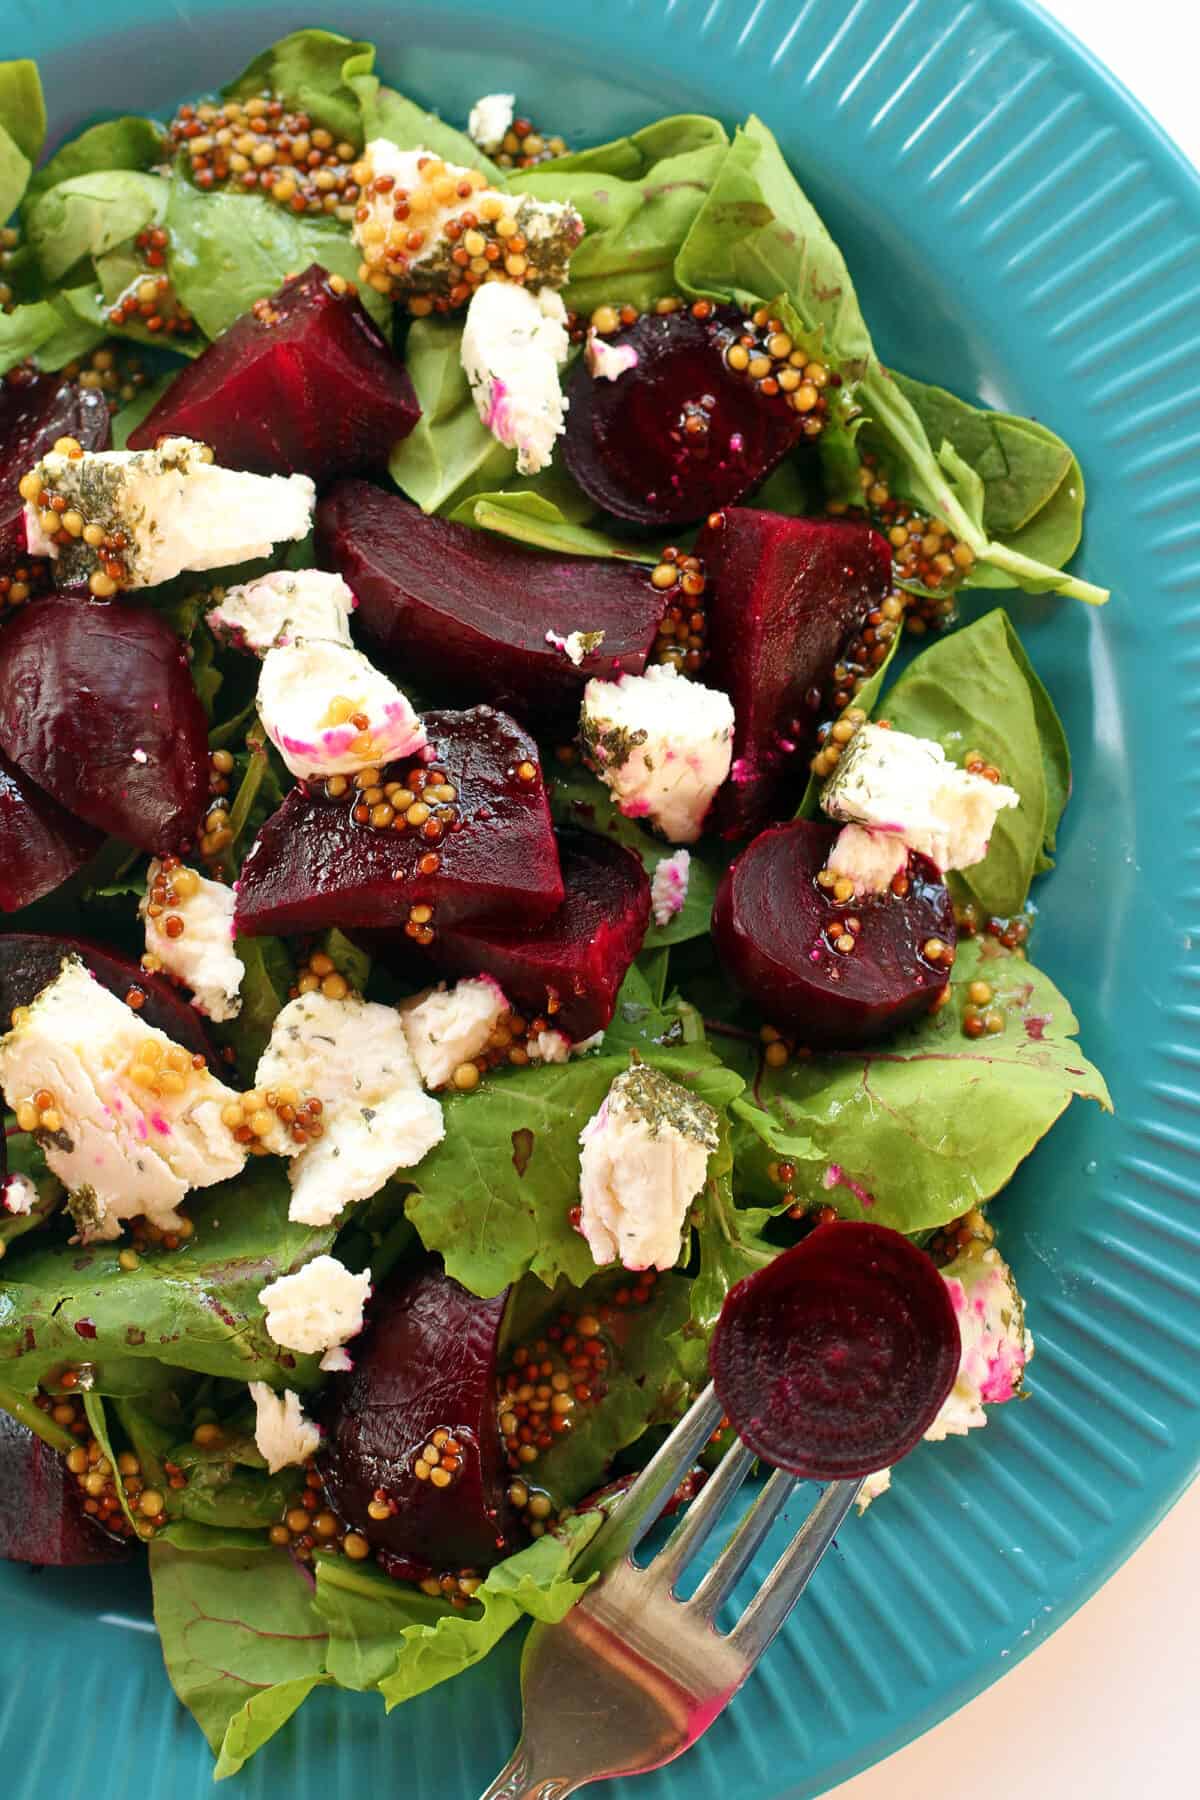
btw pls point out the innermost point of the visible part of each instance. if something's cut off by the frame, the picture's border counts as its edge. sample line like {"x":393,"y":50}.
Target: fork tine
{"x":641,"y":1506}
{"x":737,"y":1554}
{"x":702,"y":1516}
{"x":790,"y":1576}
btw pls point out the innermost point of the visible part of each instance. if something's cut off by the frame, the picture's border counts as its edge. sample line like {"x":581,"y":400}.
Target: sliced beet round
{"x":98,"y":707}
{"x":42,"y":1520}
{"x":452,"y":605}
{"x":41,"y":845}
{"x":303,"y":383}
{"x":569,"y":969}
{"x":425,"y":1364}
{"x":36,"y":410}
{"x":682,"y":432}
{"x":30,"y":960}
{"x":319,"y":861}
{"x":783,"y":597}
{"x":834,"y":1360}
{"x":776,"y":931}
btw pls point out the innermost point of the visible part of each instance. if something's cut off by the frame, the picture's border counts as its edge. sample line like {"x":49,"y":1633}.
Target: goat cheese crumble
{"x":283,"y":1433}
{"x":669,"y":887}
{"x":662,"y":743}
{"x":329,"y":711}
{"x":490,"y":121}
{"x":317,"y":1309}
{"x":202,"y":957}
{"x":447,"y":1027}
{"x":513,"y":345}
{"x":608,"y":362}
{"x":284,"y":607}
{"x":644,"y":1158}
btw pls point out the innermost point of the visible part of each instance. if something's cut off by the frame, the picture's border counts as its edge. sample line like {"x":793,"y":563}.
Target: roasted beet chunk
{"x":424,"y":1374}
{"x":40,"y":844}
{"x":42,"y":1519}
{"x":330,"y":859}
{"x":794,"y":951}
{"x":35,"y":411}
{"x":835,"y":1359}
{"x":30,"y":960}
{"x":481,"y":613}
{"x":98,"y":706}
{"x":783,"y":597}
{"x":568,"y":970}
{"x":684,"y":432}
{"x":305,"y":383}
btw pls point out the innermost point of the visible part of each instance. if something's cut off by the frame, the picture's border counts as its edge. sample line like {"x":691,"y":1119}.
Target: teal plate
{"x":1020,"y":232}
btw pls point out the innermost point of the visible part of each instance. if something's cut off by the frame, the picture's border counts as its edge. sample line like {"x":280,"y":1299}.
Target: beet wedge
{"x":784,"y":596}
{"x":42,"y":1520}
{"x":305,"y":383}
{"x":568,"y":970}
{"x":482,"y":614}
{"x":491,"y":857}
{"x":682,"y":432}
{"x":30,"y":960}
{"x":426,"y":1364}
{"x":98,"y":707}
{"x":40,"y":844}
{"x":777,"y":933}
{"x":834,"y":1360}
{"x":35,"y":411}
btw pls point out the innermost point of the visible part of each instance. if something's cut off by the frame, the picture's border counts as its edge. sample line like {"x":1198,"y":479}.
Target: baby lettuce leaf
{"x":633,"y":157}
{"x":915,"y":1132}
{"x":23,"y":107}
{"x":578,"y":798}
{"x":307,"y":69}
{"x":228,"y":250}
{"x":636,"y":225}
{"x":385,"y":113}
{"x":48,"y":330}
{"x":973,"y":690}
{"x":193,"y":1308}
{"x":125,"y":143}
{"x":88,"y":214}
{"x":531,"y":518}
{"x":15,"y":169}
{"x":247,"y":1634}
{"x":1021,"y":463}
{"x":268,"y":977}
{"x":450,"y":453}
{"x":730,"y":1246}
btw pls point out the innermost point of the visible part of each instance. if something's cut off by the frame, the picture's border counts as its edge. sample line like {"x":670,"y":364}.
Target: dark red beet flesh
{"x":449,"y":604}
{"x":313,"y":865}
{"x":98,"y":707}
{"x":426,"y":1361}
{"x":34,"y":412}
{"x":835,"y":1359}
{"x":40,"y":844}
{"x":628,"y":444}
{"x":41,"y":1513}
{"x":783,"y":597}
{"x":310,"y":387}
{"x":30,"y":960}
{"x":773,"y":926}
{"x":568,"y":970}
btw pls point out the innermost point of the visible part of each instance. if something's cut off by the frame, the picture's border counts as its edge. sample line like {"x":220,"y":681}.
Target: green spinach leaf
{"x":269,"y":976}
{"x":307,"y":69}
{"x":385,"y":113}
{"x":88,"y":214}
{"x":125,"y":143}
{"x":531,"y":518}
{"x":47,"y":330}
{"x":23,"y":106}
{"x":15,"y":169}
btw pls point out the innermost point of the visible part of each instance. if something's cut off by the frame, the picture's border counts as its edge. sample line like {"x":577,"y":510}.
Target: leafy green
{"x":913,"y":1133}
{"x":635,"y":156}
{"x":228,"y":1485}
{"x":125,"y":143}
{"x":450,"y":452}
{"x":385,"y":113}
{"x":192,"y":1308}
{"x":89,"y":214}
{"x":23,"y":107}
{"x":532,"y":519}
{"x":228,"y":250}
{"x":24,"y":1157}
{"x":268,"y":976}
{"x":47,"y":330}
{"x":129,"y":416}
{"x":731,"y":1246}
{"x":308,"y":70}
{"x":1020,"y":463}
{"x":579,"y":798}
{"x":972,"y":690}
{"x":15,"y":168}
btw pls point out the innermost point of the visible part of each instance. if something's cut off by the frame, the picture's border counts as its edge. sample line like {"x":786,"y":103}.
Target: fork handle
{"x":518,"y":1780}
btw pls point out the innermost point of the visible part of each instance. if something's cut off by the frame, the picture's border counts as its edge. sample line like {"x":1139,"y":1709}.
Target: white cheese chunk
{"x":904,"y":785}
{"x":336,"y":1361}
{"x":353,"y":1056}
{"x":644,"y":1158}
{"x":576,"y":645}
{"x":870,"y":859}
{"x":663,"y":744}
{"x":284,"y":1435}
{"x":513,"y":345}
{"x":319,"y":1308}
{"x":447,"y":1027}
{"x":669,"y":887}
{"x":996,"y":1347}
{"x":177,"y":509}
{"x":284,"y":607}
{"x":18,"y":1195}
{"x":202,"y":957}
{"x":608,"y":362}
{"x":329,"y":711}
{"x":490,"y":121}
{"x":556,"y":1047}
{"x":133,"y":1125}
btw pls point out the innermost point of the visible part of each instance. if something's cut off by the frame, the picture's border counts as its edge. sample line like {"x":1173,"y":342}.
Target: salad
{"x":520,"y":796}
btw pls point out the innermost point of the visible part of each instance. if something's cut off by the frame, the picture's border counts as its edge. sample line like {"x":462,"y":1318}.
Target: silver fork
{"x":634,"y":1675}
